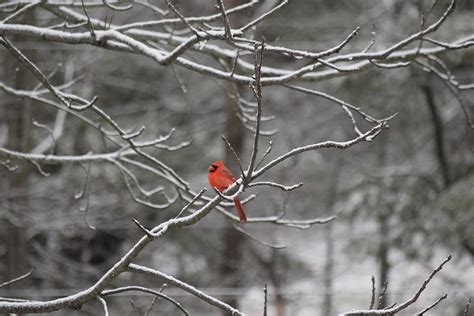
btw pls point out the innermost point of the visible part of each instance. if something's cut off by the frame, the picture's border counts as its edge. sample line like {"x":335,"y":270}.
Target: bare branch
{"x":19,"y":12}
{"x":239,"y":162}
{"x":265,"y":154}
{"x":18,"y":279}
{"x":225,"y":19}
{"x":448,"y":45}
{"x":180,"y":80}
{"x":6,"y":5}
{"x":404,"y":305}
{"x":38,"y":167}
{"x":328,"y":144}
{"x":152,"y":305}
{"x":257,"y":90}
{"x":285,"y":188}
{"x":134,"y":307}
{"x":128,"y":174}
{"x":6,"y":165}
{"x":145,"y":290}
{"x":50,"y":132}
{"x":265,"y":300}
{"x":92,"y":292}
{"x":231,"y":197}
{"x":56,"y":133}
{"x":34,"y":70}
{"x":89,"y":23}
{"x":116,"y":7}
{"x":466,"y":309}
{"x":382,"y":295}
{"x":234,"y":64}
{"x":432,"y":305}
{"x":203,"y":19}
{"x":430,"y":29}
{"x":104,"y":305}
{"x":247,"y":234}
{"x":345,"y":105}
{"x":263,"y":16}
{"x":299,"y":224}
{"x":186,"y":287}
{"x":185,"y":21}
{"x":372,"y":298}
{"x":339,"y":69}
{"x":391,"y":65}
{"x":81,"y":194}
{"x":147,"y":232}
{"x":194,"y":199}
{"x":123,"y":42}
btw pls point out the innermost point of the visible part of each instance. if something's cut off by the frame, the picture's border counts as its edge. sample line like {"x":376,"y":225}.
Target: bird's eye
{"x":214,"y":167}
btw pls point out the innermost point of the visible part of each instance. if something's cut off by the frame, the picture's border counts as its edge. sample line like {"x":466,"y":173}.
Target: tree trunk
{"x":383,"y":212}
{"x":438,"y":132}
{"x":382,"y":257}
{"x":331,"y":198}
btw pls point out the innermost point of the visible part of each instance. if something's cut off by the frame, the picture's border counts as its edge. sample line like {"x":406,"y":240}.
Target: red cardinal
{"x":221,"y":178}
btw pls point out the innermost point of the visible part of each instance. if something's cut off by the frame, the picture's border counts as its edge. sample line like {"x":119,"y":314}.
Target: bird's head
{"x":215,"y":165}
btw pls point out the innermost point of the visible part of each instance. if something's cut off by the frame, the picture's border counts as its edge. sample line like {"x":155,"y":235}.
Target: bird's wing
{"x":228,"y":174}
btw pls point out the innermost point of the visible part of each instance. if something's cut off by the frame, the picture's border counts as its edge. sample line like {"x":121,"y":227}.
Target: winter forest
{"x":345,"y":130}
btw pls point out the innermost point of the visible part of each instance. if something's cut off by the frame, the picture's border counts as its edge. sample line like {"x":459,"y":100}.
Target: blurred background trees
{"x":402,"y":201}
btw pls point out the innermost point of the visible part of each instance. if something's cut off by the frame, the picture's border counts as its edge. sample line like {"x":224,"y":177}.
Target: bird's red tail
{"x":240,"y":210}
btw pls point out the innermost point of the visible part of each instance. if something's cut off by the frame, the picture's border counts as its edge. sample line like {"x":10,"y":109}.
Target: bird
{"x":221,"y":178}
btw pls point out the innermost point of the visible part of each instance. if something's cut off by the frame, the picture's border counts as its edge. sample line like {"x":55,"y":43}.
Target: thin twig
{"x":134,"y":307}
{"x":265,"y":154}
{"x":195,"y":198}
{"x":338,"y":68}
{"x":18,"y":279}
{"x":432,"y":305}
{"x":104,"y":305}
{"x":257,"y":90}
{"x":382,"y":295}
{"x":50,"y":132}
{"x":32,"y":67}
{"x":6,"y":165}
{"x":265,"y":302}
{"x":395,"y":309}
{"x":225,"y":19}
{"x":89,"y":23}
{"x":146,"y":231}
{"x":80,"y":194}
{"x":239,"y":162}
{"x":180,"y":80}
{"x":144,"y":290}
{"x":234,"y":63}
{"x":39,"y":168}
{"x":328,"y":144}
{"x":116,"y":7}
{"x":185,"y":21}
{"x":150,"y":308}
{"x":21,"y":11}
{"x":372,"y":298}
{"x":466,"y":309}
{"x":263,"y":243}
{"x":263,"y":16}
{"x":286,"y":188}
{"x":186,"y":287}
